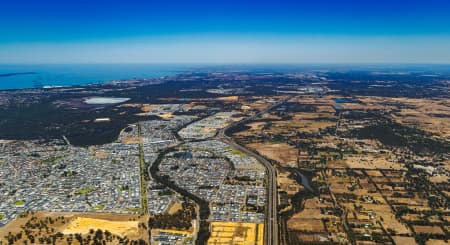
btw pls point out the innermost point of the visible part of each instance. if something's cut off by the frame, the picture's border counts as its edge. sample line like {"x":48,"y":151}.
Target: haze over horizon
{"x":212,"y":32}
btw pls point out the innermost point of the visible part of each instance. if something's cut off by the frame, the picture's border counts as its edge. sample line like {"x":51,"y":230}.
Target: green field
{"x":2,"y":216}
{"x":238,"y":152}
{"x":19,"y":203}
{"x":52,"y":159}
{"x":84,"y":191}
{"x":98,"y":207}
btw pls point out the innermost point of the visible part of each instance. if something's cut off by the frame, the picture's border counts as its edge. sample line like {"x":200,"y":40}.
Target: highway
{"x":271,"y":226}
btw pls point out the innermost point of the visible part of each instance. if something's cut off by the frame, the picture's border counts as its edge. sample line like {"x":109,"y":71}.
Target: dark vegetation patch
{"x":179,"y":220}
{"x":296,"y":107}
{"x":397,"y":135}
{"x":46,"y":121}
{"x":236,"y":129}
{"x":366,"y":83}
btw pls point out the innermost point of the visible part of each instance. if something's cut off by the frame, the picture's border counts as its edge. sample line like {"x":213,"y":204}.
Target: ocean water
{"x":66,"y":75}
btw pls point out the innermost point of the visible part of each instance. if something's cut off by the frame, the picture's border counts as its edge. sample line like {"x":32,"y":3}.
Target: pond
{"x":104,"y":100}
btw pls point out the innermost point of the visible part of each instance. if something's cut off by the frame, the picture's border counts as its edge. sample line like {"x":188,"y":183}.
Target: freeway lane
{"x":271,"y":234}
{"x":271,"y":226}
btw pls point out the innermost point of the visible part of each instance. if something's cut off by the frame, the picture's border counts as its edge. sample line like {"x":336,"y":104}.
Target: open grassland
{"x":283,"y":153}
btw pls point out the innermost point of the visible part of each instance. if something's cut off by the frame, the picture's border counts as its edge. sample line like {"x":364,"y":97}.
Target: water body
{"x":29,"y":76}
{"x":104,"y":100}
{"x":337,"y":106}
{"x":303,"y":179}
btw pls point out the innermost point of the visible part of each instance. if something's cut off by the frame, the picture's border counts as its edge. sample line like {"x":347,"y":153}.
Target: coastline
{"x":17,"y":77}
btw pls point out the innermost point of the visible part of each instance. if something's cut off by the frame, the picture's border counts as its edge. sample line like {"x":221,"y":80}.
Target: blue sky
{"x":195,"y":31}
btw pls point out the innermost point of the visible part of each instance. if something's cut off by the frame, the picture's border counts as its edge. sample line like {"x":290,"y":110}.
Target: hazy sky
{"x":169,"y":31}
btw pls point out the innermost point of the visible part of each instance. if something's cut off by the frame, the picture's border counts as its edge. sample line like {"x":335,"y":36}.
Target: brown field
{"x":428,"y":229}
{"x":258,"y":105}
{"x":447,"y":218}
{"x":283,"y":153}
{"x":325,"y":100}
{"x":412,"y":217}
{"x":166,"y":115}
{"x":318,"y":237}
{"x":306,"y":225}
{"x":409,"y":201}
{"x":374,"y":173}
{"x":404,"y":240}
{"x":229,"y":98}
{"x":308,"y":126}
{"x":194,"y":105}
{"x":147,"y":108}
{"x":175,"y":207}
{"x":357,"y":106}
{"x":388,"y":218}
{"x":372,"y":161}
{"x":446,"y":193}
{"x":420,"y":208}
{"x":290,"y":186}
{"x":437,"y":242}
{"x":101,"y":154}
{"x":131,"y":140}
{"x":439,"y":178}
{"x":310,"y":218}
{"x":446,"y":164}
